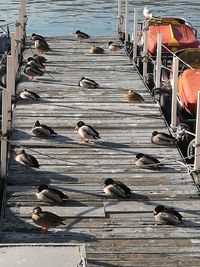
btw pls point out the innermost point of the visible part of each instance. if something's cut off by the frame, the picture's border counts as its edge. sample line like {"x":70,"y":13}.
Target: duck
{"x":146,"y":161}
{"x":114,"y":47}
{"x":96,"y":50}
{"x":49,"y":194}
{"x":31,"y":71}
{"x":115,"y":188}
{"x":132,"y":97}
{"x":167,"y":215}
{"x":160,"y":138}
{"x":43,"y":130}
{"x":86,"y":132}
{"x":81,"y":35}
{"x":35,"y":37}
{"x":41,"y":46}
{"x":26,"y":94}
{"x":26,"y":159}
{"x":46,"y":219}
{"x":39,"y":58}
{"x":87,"y":83}
{"x":34,"y":63}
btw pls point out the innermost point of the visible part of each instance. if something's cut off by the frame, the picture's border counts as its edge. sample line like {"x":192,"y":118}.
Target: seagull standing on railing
{"x":147,"y":13}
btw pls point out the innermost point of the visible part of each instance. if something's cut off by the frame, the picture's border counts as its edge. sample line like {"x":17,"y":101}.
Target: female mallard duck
{"x":87,"y":83}
{"x":26,"y":94}
{"x":116,"y":188}
{"x":146,"y":161}
{"x":96,"y":50}
{"x":160,"y":138}
{"x":26,"y":159}
{"x":114,"y":47}
{"x":86,"y":132}
{"x":46,"y":219}
{"x":41,"y":46}
{"x":43,"y":130}
{"x":167,"y":215}
{"x":133,"y":97}
{"x":81,"y":35}
{"x":50,"y":194}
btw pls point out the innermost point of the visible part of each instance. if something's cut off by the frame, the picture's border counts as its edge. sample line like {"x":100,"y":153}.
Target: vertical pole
{"x":145,"y":46}
{"x":135,"y":33}
{"x":4,"y":128}
{"x":119,"y":17}
{"x":126,"y":21}
{"x":197,"y":139}
{"x":17,"y":40}
{"x":174,"y":93}
{"x":10,"y":83}
{"x":158,"y":60}
{"x":14,"y":63}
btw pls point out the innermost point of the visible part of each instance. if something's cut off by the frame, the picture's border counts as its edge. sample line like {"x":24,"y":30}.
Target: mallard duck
{"x":96,"y":50}
{"x":40,"y":59}
{"x":86,"y":132}
{"x":32,"y":71}
{"x":81,"y":35}
{"x":46,"y":219}
{"x":50,"y":194}
{"x":35,"y":37}
{"x":34,"y":63}
{"x":87,"y":83}
{"x":41,"y":46}
{"x":146,"y":161}
{"x":26,"y":159}
{"x":133,"y":97}
{"x":114,"y":47}
{"x":167,"y":215}
{"x":43,"y":130}
{"x":116,"y":188}
{"x":26,"y":94}
{"x":160,"y":138}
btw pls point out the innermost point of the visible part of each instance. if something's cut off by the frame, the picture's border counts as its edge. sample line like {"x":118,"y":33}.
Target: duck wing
{"x":125,"y":188}
{"x":31,"y":161}
{"x":51,"y":219}
{"x":92,"y":131}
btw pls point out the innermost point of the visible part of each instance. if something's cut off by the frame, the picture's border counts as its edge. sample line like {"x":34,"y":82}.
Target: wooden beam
{"x":197,"y":139}
{"x":119,"y":17}
{"x":158,"y":60}
{"x":126,"y":21}
{"x":145,"y":46}
{"x":135,"y":32}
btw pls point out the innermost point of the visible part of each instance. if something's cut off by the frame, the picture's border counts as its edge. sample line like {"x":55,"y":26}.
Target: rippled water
{"x":97,"y":17}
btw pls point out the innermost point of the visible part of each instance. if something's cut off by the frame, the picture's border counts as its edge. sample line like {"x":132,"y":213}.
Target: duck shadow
{"x":113,"y":146}
{"x":133,"y":196}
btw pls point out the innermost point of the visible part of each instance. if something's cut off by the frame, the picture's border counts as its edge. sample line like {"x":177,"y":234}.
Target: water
{"x":97,"y":17}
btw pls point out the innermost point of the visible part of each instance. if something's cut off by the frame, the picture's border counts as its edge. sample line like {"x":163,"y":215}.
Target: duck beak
{"x":76,"y":128}
{"x":154,"y":213}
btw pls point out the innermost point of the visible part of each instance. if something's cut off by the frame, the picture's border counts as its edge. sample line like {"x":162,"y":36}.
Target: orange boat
{"x":188,"y":87}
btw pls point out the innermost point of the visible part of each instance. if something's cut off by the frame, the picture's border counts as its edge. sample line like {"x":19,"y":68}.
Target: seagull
{"x":43,"y":130}
{"x":147,"y":13}
{"x":26,"y":159}
{"x":146,"y":161}
{"x":87,"y":83}
{"x":133,"y":97}
{"x":46,"y":219}
{"x":81,"y":35}
{"x":96,"y":50}
{"x":114,"y":47}
{"x":116,"y":188}
{"x":160,"y":138}
{"x":167,"y":215}
{"x":26,"y":94}
{"x":86,"y":132}
{"x":49,"y":194}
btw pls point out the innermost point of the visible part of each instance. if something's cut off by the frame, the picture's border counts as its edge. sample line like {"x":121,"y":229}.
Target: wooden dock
{"x":116,"y":232}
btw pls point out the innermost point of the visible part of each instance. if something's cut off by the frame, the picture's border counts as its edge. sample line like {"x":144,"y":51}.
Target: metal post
{"x":197,"y":139}
{"x":10,"y":83}
{"x":158,"y":60}
{"x":135,"y":33}
{"x":14,"y":63}
{"x":174,"y":93}
{"x":119,"y":17}
{"x":17,"y":40}
{"x":4,"y":129}
{"x":126,"y":21}
{"x":145,"y":46}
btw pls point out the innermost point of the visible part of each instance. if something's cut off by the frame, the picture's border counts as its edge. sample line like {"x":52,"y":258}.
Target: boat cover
{"x":188,"y":87}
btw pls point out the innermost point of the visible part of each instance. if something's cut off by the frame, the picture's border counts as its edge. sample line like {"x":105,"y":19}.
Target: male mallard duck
{"x":26,"y":94}
{"x":46,"y":219}
{"x":81,"y":35}
{"x":162,"y":138}
{"x":96,"y":50}
{"x":50,"y":194}
{"x":42,"y":46}
{"x":114,"y":47}
{"x":146,"y":161}
{"x":116,"y":188}
{"x":167,"y":215}
{"x":32,"y":71}
{"x":35,"y":37}
{"x":39,"y":59}
{"x":87,"y":83}
{"x":26,"y":159}
{"x":43,"y":130}
{"x":133,"y":97}
{"x":86,"y":132}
